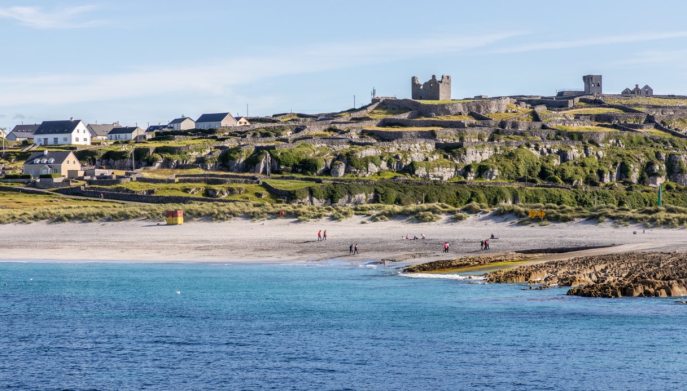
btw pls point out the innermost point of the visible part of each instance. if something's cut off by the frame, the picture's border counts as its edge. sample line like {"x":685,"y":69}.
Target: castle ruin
{"x":432,"y":89}
{"x":592,"y":85}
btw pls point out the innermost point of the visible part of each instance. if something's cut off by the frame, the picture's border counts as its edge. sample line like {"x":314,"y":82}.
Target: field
{"x":645,"y":101}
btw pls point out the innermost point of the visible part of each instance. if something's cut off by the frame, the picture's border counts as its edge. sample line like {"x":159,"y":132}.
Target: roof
{"x":180,"y":120}
{"x":26,"y":128}
{"x":216,"y":117}
{"x":58,"y":156}
{"x":57,"y":127}
{"x":125,"y":130}
{"x":101,"y":130}
{"x":153,"y":128}
{"x":24,"y":131}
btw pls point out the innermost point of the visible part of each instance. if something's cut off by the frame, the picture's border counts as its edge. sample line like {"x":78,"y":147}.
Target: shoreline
{"x":288,"y":241}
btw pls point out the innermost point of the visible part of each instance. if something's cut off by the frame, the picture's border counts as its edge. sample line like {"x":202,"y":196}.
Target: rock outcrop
{"x":613,"y":275}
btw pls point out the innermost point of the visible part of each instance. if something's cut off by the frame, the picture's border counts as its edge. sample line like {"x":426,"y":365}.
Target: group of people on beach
{"x":353,"y":249}
{"x":321,"y":235}
{"x":414,"y":237}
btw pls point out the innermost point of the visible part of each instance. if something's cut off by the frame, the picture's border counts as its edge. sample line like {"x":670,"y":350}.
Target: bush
{"x":50,"y":176}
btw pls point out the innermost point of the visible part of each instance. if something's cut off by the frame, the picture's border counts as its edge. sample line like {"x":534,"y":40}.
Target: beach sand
{"x":283,"y":240}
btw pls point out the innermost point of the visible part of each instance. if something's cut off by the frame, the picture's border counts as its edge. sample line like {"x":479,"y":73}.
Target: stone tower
{"x":432,"y":89}
{"x":592,"y":84}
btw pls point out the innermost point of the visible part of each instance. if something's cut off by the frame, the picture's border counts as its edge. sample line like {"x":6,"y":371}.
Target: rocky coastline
{"x":654,"y":274}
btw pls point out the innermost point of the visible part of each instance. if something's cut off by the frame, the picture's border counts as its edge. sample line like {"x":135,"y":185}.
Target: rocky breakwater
{"x":613,"y":275}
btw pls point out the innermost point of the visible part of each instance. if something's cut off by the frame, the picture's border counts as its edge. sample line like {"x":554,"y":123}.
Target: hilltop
{"x":583,"y":156}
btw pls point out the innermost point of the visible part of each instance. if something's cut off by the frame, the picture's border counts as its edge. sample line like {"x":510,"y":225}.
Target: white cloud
{"x":40,"y":18}
{"x":220,"y":76}
{"x":594,"y":41}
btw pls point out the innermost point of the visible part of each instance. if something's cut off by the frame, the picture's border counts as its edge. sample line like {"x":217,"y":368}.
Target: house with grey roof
{"x":152,"y":129}
{"x":129,"y":133}
{"x":63,"y":163}
{"x":182,"y":123}
{"x":215,"y":121}
{"x":22,"y":133}
{"x":70,"y":132}
{"x":99,"y":132}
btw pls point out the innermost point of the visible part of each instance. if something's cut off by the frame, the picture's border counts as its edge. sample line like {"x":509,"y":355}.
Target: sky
{"x":147,"y":62}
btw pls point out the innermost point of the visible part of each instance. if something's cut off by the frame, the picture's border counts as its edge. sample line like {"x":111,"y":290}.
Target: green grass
{"x":525,"y":116}
{"x":677,"y":123}
{"x":592,"y":111}
{"x":237,"y":192}
{"x":645,"y":101}
{"x":384,"y":113}
{"x":590,"y":128}
{"x":478,"y":268}
{"x":452,"y":118}
{"x":290,"y":185}
{"x":24,"y":201}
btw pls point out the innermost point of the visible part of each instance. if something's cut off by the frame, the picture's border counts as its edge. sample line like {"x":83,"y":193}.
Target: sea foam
{"x":443,"y":276}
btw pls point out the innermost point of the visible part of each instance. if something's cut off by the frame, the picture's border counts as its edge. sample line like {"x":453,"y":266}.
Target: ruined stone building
{"x":592,"y":85}
{"x":432,"y":89}
{"x":644,"y":91}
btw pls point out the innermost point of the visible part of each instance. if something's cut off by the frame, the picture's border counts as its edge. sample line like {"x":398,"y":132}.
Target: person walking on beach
{"x":486,"y":244}
{"x":319,"y":235}
{"x":445,"y":247}
{"x":355,"y":249}
{"x":324,"y":235}
{"x":481,"y":245}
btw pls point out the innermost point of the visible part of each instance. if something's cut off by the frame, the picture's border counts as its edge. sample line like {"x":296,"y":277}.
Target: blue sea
{"x":321,"y":327}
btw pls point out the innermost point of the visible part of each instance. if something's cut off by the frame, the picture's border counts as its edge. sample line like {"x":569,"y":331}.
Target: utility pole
{"x":246,"y":109}
{"x":354,"y":101}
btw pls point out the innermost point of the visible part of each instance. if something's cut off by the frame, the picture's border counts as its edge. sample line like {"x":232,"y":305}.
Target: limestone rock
{"x":338,"y":169}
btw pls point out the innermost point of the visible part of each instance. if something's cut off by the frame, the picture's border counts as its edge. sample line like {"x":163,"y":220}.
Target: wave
{"x":443,"y":276}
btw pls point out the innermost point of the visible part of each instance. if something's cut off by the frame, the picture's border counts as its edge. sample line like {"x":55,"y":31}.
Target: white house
{"x":62,"y":133}
{"x":182,"y":123}
{"x":215,"y":121}
{"x":126,"y":134}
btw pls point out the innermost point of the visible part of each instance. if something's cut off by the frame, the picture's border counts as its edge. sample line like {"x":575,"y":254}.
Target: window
{"x":77,"y":139}
{"x":55,"y":140}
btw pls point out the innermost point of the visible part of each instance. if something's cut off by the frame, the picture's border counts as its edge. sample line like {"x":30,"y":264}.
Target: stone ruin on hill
{"x":432,"y":89}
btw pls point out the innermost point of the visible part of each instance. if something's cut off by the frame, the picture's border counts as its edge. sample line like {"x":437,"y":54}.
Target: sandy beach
{"x":291,"y":241}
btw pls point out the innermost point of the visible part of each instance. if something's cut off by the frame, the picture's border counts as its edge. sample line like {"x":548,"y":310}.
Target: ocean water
{"x":325,"y":327}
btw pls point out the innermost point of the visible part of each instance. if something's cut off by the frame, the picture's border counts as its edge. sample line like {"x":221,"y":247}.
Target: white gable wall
{"x":80,"y":136}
